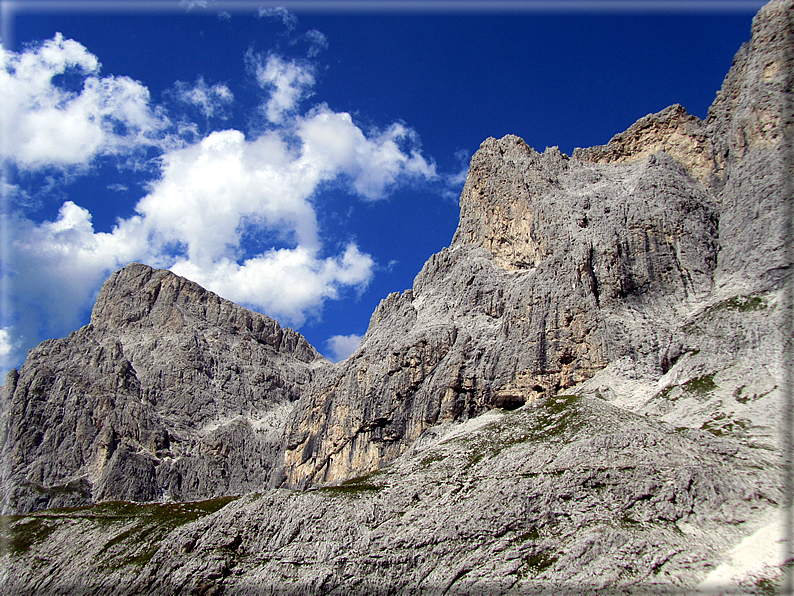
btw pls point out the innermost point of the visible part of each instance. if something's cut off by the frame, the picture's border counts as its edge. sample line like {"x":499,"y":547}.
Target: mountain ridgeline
{"x":584,"y":391}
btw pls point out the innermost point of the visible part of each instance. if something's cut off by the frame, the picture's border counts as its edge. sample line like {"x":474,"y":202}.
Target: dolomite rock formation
{"x":568,"y":495}
{"x":169,"y":393}
{"x":665,"y":246}
{"x":583,"y":392}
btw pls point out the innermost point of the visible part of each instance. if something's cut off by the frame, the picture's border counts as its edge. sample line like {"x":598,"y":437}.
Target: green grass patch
{"x":538,"y":562}
{"x":350,"y":489}
{"x":27,"y":532}
{"x":151,"y":524}
{"x":548,"y":418}
{"x":700,"y":386}
{"x":353,"y":486}
{"x":743,"y":399}
{"x":721,"y":425}
{"x":532,"y":535}
{"x":432,"y":458}
{"x":140,"y":527}
{"x":768,"y":587}
{"x":555,"y":416}
{"x":743,"y":304}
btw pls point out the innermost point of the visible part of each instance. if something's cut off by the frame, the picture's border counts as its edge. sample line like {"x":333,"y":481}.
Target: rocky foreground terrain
{"x":587,"y":391}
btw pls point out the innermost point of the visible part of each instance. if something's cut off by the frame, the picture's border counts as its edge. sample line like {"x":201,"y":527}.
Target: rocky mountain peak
{"x":171,"y":392}
{"x":582,"y":393}
{"x":138,"y":296}
{"x":672,"y":131}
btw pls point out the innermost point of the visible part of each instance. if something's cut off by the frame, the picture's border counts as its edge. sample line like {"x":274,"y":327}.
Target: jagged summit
{"x":673,"y":131}
{"x":582,"y":392}
{"x":166,"y":300}
{"x":170,"y":392}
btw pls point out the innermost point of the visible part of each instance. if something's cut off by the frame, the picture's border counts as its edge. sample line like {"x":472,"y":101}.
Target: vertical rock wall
{"x":562,"y":265}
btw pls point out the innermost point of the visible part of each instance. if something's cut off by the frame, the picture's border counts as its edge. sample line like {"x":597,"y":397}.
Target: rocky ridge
{"x":583,"y":392}
{"x":639,"y":252}
{"x":169,"y":393}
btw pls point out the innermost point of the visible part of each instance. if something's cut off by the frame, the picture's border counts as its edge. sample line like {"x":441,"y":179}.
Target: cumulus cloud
{"x":212,"y":191}
{"x":342,"y":346}
{"x":209,"y":198}
{"x":288,"y":284}
{"x":373,"y":164}
{"x":287,"y":82}
{"x":46,"y":124}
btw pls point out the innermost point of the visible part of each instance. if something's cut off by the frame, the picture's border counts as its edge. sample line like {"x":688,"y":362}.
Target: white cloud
{"x":7,"y":348}
{"x":288,"y":19}
{"x":57,"y":268}
{"x":43,"y":124}
{"x":287,"y":81}
{"x":288,"y":284}
{"x":209,"y":198}
{"x":317,"y":42}
{"x":332,"y":141}
{"x":342,"y":346}
{"x":209,"y":190}
{"x":191,"y":4}
{"x":212,"y":102}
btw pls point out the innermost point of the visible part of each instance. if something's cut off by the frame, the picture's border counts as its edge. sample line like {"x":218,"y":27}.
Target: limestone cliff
{"x":665,"y":246}
{"x":583,"y":392}
{"x":169,"y":393}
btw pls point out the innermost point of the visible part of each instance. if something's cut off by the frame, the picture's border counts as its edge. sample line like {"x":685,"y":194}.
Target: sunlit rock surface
{"x":169,"y":393}
{"x":583,"y":392}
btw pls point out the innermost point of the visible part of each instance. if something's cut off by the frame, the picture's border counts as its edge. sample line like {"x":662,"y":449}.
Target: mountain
{"x":586,"y":391}
{"x":170,"y":392}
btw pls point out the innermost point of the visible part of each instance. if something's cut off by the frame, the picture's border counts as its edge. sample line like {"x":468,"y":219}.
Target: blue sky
{"x":304,"y":162}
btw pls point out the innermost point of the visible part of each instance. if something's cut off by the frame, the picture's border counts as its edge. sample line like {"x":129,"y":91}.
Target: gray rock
{"x":668,"y":241}
{"x":566,"y":495}
{"x":582,"y":394}
{"x":169,"y":393}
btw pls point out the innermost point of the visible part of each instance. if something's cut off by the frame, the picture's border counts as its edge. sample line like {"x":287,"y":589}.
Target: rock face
{"x":559,"y":266}
{"x":583,"y":392}
{"x":568,"y":495}
{"x":169,"y":393}
{"x":665,"y":246}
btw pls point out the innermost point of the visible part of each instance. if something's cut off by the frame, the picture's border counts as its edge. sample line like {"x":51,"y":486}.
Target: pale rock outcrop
{"x":169,"y":393}
{"x":583,"y":393}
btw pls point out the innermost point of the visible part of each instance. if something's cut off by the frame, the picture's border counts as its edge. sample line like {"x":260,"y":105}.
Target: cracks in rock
{"x":324,"y":463}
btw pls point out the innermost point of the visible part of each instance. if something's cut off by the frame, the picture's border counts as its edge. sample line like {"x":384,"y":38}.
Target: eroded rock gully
{"x":583,"y":392}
